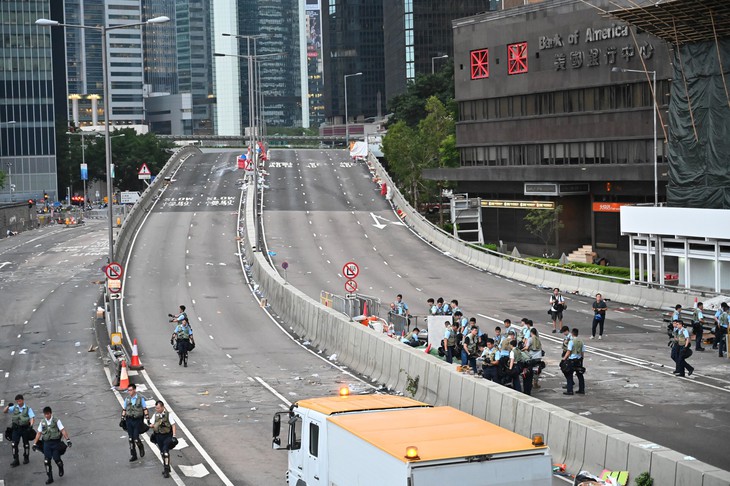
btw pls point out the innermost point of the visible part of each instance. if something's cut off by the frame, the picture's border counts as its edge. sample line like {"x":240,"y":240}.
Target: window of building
{"x":479,"y":63}
{"x":517,"y":58}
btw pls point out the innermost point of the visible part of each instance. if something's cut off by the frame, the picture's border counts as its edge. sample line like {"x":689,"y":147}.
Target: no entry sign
{"x":113,"y":271}
{"x":351,"y":286}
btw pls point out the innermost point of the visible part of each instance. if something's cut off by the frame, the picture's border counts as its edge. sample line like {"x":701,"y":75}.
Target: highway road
{"x":323,"y":210}
{"x":48,"y":295}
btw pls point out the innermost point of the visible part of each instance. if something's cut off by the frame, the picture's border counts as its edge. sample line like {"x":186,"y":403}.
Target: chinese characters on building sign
{"x":591,"y":56}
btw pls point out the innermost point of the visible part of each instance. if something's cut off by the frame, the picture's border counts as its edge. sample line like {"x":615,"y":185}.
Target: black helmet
{"x":173,"y":442}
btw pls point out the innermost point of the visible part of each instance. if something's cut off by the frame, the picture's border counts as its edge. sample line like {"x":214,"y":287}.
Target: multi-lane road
{"x":320,"y":211}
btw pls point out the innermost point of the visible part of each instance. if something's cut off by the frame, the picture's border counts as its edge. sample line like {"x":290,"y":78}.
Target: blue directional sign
{"x":84,"y":172}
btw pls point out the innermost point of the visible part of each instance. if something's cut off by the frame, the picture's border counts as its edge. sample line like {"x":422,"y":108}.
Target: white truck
{"x":385,"y":440}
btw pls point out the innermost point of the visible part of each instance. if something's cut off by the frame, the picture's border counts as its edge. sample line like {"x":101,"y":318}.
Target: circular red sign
{"x":350,"y":270}
{"x":351,"y":286}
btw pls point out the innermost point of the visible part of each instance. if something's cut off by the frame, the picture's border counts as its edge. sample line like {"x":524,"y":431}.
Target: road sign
{"x":115,"y":296}
{"x":351,"y":286}
{"x":144,"y":172}
{"x":350,"y":270}
{"x":285,"y":265}
{"x":113,"y":271}
{"x":116,"y":338}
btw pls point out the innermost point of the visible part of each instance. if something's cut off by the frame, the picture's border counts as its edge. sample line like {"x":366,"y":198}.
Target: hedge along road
{"x":186,"y":253}
{"x":319,"y":214}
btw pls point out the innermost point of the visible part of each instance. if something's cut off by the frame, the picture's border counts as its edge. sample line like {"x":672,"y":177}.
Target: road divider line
{"x":633,"y":403}
{"x":274,"y":392}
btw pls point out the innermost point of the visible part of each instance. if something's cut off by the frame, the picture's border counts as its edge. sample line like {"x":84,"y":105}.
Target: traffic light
{"x":45,"y":196}
{"x":31,"y":203}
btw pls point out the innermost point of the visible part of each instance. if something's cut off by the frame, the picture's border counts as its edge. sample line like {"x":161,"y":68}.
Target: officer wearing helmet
{"x":165,"y":434}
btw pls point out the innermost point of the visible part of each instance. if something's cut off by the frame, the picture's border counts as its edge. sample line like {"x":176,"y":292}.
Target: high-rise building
{"x":315,"y":62}
{"x":352,"y":38}
{"x":226,"y":73}
{"x":27,"y":121}
{"x":416,"y":32}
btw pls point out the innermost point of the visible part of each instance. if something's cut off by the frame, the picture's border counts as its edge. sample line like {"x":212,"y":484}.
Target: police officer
{"x":573,"y":359}
{"x":184,"y":336}
{"x":165,"y":431}
{"x":449,"y":341}
{"x":181,"y":317}
{"x":490,"y":361}
{"x":135,"y":409}
{"x":697,"y":319}
{"x":51,"y":430}
{"x":683,"y":350}
{"x":721,"y":328}
{"x":471,"y":343}
{"x":22,"y":420}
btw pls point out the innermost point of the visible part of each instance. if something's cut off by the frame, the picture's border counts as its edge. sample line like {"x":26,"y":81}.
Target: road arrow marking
{"x":378,"y":224}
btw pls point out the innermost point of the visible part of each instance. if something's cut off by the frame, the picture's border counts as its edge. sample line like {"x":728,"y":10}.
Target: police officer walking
{"x":723,"y":319}
{"x":165,"y":434}
{"x":573,"y":363}
{"x":22,"y":421}
{"x":51,"y":430}
{"x":684,"y":350}
{"x":184,"y":336}
{"x":135,"y":409}
{"x":697,"y":319}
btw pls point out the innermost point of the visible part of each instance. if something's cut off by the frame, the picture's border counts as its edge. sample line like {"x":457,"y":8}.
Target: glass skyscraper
{"x":27,"y":123}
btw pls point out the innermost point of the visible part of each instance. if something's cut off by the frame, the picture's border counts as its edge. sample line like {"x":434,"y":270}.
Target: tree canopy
{"x":410,"y":106}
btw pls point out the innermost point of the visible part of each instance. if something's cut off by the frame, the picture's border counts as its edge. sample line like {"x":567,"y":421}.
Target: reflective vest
{"x":520,"y":357}
{"x":723,"y":319}
{"x":566,"y":340}
{"x":535,"y":344}
{"x":51,"y":430}
{"x":472,"y":346}
{"x":451,"y":340}
{"x":183,"y":332}
{"x":577,"y":347}
{"x":681,"y":339}
{"x":162,"y":423}
{"x":21,"y":417}
{"x":696,"y":316}
{"x":134,"y":407}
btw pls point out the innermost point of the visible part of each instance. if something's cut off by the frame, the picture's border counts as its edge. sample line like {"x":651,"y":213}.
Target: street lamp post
{"x":347,"y":119}
{"x":107,"y":94}
{"x":656,"y":109}
{"x":433,"y":71}
{"x":10,"y":165}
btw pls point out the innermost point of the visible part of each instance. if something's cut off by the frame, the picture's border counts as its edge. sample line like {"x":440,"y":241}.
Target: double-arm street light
{"x":445,"y":56}
{"x":347,"y":120}
{"x":107,"y":94}
{"x":655,"y":109}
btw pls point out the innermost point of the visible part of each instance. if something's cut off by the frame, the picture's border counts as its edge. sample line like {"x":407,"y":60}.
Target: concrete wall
{"x":579,"y":442}
{"x":17,"y":217}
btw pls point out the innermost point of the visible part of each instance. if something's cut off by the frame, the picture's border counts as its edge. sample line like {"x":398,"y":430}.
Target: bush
{"x":644,"y":479}
{"x":621,"y":272}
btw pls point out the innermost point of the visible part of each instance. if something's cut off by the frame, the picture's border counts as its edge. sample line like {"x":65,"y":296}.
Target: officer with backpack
{"x":135,"y":410}
{"x":723,"y":320}
{"x":51,"y":430}
{"x":165,"y":431}
{"x":449,"y":341}
{"x":22,"y":419}
{"x":573,"y":363}
{"x":684,"y":350}
{"x":182,"y":336}
{"x":471,"y":348}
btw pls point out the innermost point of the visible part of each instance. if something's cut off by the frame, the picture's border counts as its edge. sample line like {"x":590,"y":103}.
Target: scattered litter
{"x":632,"y":385}
{"x":196,"y":471}
{"x":619,"y":327}
{"x":650,"y":445}
{"x":77,"y":343}
{"x":333,"y":357}
{"x":316,"y":375}
{"x":689,"y":458}
{"x":306,"y":343}
{"x":585,"y":414}
{"x":297,"y":378}
{"x":292,"y":394}
{"x":253,"y":409}
{"x":203,"y":393}
{"x":613,"y":372}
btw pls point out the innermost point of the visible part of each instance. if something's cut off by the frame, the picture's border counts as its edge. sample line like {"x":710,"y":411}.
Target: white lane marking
{"x":274,"y":392}
{"x":200,"y":318}
{"x":229,"y":356}
{"x":7,"y":373}
{"x":633,"y":403}
{"x":190,"y":284}
{"x":652,"y":325}
{"x":210,"y":336}
{"x":329,"y":261}
{"x":386,"y":263}
{"x":12,"y":353}
{"x":522,"y":285}
{"x":193,"y":301}
{"x":23,"y":351}
{"x":490,"y":318}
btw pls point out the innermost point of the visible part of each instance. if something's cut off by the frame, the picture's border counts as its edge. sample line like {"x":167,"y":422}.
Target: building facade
{"x":27,"y":121}
{"x":416,"y":32}
{"x":546,"y":113}
{"x":352,"y":39}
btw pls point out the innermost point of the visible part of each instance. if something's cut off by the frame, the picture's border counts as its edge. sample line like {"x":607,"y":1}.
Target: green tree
{"x":410,"y":106}
{"x":402,"y":150}
{"x":544,"y":224}
{"x":2,"y":180}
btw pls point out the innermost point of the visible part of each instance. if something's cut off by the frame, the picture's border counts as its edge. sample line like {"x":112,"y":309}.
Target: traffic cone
{"x":428,"y":348}
{"x":124,"y":377}
{"x":365,"y":308}
{"x":135,"y":357}
{"x":695,"y":306}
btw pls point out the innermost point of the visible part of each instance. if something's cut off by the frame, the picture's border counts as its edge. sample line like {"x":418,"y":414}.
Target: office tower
{"x":27,"y":122}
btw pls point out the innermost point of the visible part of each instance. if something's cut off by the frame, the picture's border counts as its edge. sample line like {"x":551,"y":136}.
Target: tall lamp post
{"x":445,"y":56}
{"x":347,"y":119}
{"x":9,"y":164}
{"x":107,"y":94}
{"x":656,"y":109}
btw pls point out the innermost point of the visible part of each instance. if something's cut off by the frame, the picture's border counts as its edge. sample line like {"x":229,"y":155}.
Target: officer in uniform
{"x":184,"y":336}
{"x":22,"y":420}
{"x":135,"y":409}
{"x":683,"y":350}
{"x":490,"y":361}
{"x":449,"y":342}
{"x":721,"y":328}
{"x":165,"y":434}
{"x":573,"y":359}
{"x":51,"y":430}
{"x":697,"y":319}
{"x":471,"y":343}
